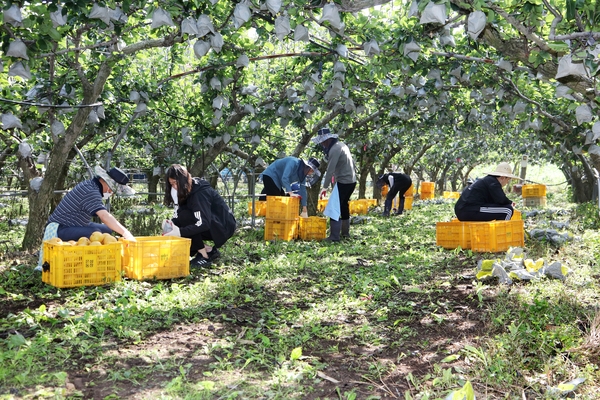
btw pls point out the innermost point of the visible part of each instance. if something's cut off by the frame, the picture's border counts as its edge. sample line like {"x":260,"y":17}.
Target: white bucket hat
{"x":116,"y":180}
{"x":503,"y":169}
{"x":323,"y":134}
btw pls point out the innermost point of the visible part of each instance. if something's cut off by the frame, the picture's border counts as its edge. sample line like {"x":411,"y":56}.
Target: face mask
{"x":174,"y":195}
{"x":106,"y":195}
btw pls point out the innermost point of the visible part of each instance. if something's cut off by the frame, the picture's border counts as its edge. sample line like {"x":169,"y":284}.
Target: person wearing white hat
{"x":280,"y":176}
{"x":73,"y":216}
{"x":340,"y":166}
{"x":485,"y":199}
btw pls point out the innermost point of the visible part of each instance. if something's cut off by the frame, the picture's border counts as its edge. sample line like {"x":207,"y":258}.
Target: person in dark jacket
{"x":485,"y":200}
{"x":398,"y":183}
{"x":200,"y":214}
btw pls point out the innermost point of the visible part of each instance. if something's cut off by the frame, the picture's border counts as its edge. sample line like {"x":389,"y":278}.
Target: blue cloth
{"x":50,"y":232}
{"x":286,"y":171}
{"x":333,"y":209}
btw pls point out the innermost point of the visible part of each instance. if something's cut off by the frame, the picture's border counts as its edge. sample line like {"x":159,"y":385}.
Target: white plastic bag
{"x":282,"y":27}
{"x":414,"y":9}
{"x":301,"y":34}
{"x":25,"y":149}
{"x":9,"y":121}
{"x":160,"y":18}
{"x":567,"y":67}
{"x":331,"y":14}
{"x":412,"y":50}
{"x":134,"y":96}
{"x":201,"y":48}
{"x":371,"y":48}
{"x":18,"y":69}
{"x":476,"y":22}
{"x":215,"y":83}
{"x":583,"y":113}
{"x":36,"y":183}
{"x":273,"y":6}
{"x":118,"y":15}
{"x":17,"y":48}
{"x":13,"y":16}
{"x":101,"y":13}
{"x":241,"y":15}
{"x":100,"y":112}
{"x":204,"y":25}
{"x":57,"y":128}
{"x":339,"y":67}
{"x":189,"y":26}
{"x":434,"y":13}
{"x":218,"y":102}
{"x":242,"y":61}
{"x":216,"y":42}
{"x":93,"y":118}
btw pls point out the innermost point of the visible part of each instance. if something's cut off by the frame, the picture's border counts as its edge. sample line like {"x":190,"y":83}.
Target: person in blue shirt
{"x":281,"y":174}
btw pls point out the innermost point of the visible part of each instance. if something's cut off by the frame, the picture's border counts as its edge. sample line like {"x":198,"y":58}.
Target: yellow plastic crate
{"x":283,"y":207}
{"x":312,"y":228}
{"x":427,"y":187}
{"x":496,"y":236}
{"x":260,"y":208}
{"x":451,"y":235}
{"x":534,"y":201}
{"x":427,"y":195}
{"x":451,"y":195}
{"x":516,"y":215}
{"x":157,"y":257}
{"x":410,"y":192}
{"x":533,"y":191}
{"x":281,"y":230}
{"x":322,"y":204}
{"x":73,"y":266}
{"x":359,"y":207}
{"x":408,"y":202}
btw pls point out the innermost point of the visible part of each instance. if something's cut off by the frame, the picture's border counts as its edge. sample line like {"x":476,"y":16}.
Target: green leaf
{"x":570,"y":10}
{"x":296,"y":353}
{"x":451,"y":358}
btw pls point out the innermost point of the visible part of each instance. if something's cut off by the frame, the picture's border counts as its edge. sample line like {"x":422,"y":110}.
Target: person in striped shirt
{"x":75,"y":211}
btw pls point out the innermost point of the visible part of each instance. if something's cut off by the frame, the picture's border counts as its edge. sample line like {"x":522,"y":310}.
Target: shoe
{"x":213,"y":254}
{"x":200,"y":262}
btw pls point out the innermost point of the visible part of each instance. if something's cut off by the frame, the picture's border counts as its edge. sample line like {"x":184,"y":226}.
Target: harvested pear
{"x":96,"y":237}
{"x":95,"y":243}
{"x":108,"y":239}
{"x":83,"y":241}
{"x":54,"y":240}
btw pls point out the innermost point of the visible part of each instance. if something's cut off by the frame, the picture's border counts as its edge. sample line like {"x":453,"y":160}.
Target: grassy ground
{"x":386,"y":315}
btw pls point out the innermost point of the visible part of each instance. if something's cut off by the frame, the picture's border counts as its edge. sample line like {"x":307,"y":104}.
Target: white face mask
{"x":174,"y":195}
{"x":106,"y":195}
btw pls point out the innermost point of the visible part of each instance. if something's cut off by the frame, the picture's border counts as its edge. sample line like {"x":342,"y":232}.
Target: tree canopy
{"x":433,"y":86}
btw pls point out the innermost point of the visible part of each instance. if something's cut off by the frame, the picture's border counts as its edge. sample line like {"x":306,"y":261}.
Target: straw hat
{"x":503,"y":169}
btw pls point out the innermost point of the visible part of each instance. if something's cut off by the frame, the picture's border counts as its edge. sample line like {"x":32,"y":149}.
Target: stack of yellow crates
{"x":427,"y":190}
{"x":451,"y":195}
{"x":282,"y":218}
{"x":534,"y":195}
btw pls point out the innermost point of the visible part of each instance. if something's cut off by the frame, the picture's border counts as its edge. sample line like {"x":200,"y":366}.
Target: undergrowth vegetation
{"x":387,"y":314}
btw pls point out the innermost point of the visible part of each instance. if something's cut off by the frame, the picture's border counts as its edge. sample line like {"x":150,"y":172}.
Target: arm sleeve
{"x":304,"y":197}
{"x":334,"y":156}
{"x":391,"y":180}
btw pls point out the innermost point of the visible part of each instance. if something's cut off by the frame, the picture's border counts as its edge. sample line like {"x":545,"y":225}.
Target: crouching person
{"x":200,"y":214}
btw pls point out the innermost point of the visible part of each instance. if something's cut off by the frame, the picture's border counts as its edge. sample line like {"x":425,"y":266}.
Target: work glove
{"x":128,"y":236}
{"x":304,"y":214}
{"x":323,"y":194}
{"x":293,"y":194}
{"x":174,"y":232}
{"x":167,"y":226}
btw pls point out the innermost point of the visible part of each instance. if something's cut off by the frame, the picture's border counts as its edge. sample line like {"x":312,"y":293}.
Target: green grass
{"x":386,"y":315}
